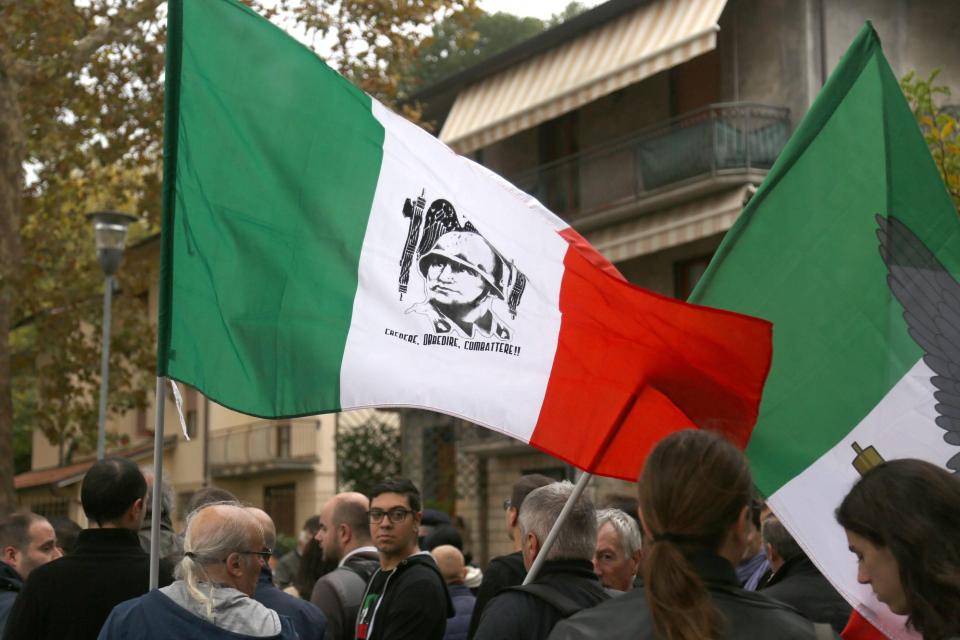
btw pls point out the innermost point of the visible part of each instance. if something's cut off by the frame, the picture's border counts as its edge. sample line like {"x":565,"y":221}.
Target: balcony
{"x":722,"y":140}
{"x":264,"y":447}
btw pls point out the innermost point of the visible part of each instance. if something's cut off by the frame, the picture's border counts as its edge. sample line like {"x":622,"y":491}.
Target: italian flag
{"x":851,"y":247}
{"x":320,"y":253}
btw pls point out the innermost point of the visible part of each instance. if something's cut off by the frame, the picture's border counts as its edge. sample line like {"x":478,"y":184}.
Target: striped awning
{"x":657,"y":36}
{"x":667,"y":228}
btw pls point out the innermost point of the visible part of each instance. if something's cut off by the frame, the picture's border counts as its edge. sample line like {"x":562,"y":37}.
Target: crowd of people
{"x":696,"y":555}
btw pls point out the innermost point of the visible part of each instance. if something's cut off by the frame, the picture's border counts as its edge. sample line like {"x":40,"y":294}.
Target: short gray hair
{"x":212,"y":545}
{"x":577,"y":539}
{"x":777,"y":536}
{"x":625,"y":527}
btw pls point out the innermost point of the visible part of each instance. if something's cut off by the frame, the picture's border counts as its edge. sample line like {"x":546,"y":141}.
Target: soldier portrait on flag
{"x":464,"y":275}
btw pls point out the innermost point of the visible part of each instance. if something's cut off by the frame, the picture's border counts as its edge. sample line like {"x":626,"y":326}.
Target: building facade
{"x":646,"y":124}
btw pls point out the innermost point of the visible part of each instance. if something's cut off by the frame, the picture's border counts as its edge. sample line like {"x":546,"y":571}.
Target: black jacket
{"x":71,"y":597}
{"x":800,"y":584}
{"x":10,"y":585}
{"x":517,"y":615}
{"x":748,"y":614}
{"x":502,"y":572}
{"x":413,"y":604}
{"x":307,"y":618}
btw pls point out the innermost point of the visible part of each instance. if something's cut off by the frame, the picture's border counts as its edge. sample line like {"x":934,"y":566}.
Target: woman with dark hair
{"x":903,"y":523}
{"x":695,"y":501}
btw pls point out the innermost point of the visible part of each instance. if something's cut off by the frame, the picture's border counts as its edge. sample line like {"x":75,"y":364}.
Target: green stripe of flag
{"x":276,"y":160}
{"x":804,"y":254}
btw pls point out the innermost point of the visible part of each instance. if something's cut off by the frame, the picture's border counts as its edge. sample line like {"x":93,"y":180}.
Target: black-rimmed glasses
{"x":264,"y":555}
{"x":397,"y":514}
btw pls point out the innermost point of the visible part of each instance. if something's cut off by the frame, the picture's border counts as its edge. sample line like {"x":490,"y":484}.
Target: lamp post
{"x":110,"y":232}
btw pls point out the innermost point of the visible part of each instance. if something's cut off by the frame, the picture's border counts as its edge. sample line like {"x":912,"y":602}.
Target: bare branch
{"x":113,"y":30}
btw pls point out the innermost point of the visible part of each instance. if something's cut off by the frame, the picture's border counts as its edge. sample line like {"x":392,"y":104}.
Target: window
{"x":280,"y":501}
{"x":283,"y":440}
{"x":52,"y":508}
{"x":190,"y":411}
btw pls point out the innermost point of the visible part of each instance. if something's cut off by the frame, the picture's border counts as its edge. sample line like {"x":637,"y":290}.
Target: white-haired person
{"x":617,"y":557}
{"x":211,"y":597}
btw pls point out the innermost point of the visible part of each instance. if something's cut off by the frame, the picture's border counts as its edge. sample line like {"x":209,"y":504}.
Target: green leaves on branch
{"x":938,"y":124}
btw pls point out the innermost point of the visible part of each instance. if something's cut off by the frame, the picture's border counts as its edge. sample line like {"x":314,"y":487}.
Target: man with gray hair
{"x":223,"y":551}
{"x":796,"y":581}
{"x":617,"y":556}
{"x":566,"y":582}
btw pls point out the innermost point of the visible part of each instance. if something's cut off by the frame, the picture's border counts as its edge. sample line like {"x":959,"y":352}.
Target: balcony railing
{"x":264,"y":446}
{"x":719,"y":139}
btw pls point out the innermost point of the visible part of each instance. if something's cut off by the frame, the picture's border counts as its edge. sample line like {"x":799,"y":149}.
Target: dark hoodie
{"x":411,"y":601}
{"x":10,"y":585}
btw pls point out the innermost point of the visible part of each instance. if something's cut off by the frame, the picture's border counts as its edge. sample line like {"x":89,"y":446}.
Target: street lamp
{"x":110,"y":232}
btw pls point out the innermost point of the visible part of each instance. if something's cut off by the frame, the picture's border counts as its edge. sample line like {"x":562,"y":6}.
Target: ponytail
{"x":693,"y":488}
{"x":679,"y":603}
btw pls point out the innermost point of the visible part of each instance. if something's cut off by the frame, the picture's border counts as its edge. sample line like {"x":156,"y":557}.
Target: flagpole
{"x":555,"y":529}
{"x":157,"y":486}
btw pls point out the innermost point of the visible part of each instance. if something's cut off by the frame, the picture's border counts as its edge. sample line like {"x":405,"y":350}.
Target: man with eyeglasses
{"x":407,"y":597}
{"x":223,"y":552}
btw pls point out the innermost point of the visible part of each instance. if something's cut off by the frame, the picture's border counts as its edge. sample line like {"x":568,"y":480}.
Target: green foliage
{"x":367,"y":453}
{"x":470,"y":38}
{"x":81,"y":106}
{"x":939,"y":126}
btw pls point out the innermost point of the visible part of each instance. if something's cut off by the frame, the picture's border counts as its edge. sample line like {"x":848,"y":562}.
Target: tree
{"x":939,"y":126}
{"x":81,"y":128}
{"x":469,"y":38}
{"x":368,"y":450}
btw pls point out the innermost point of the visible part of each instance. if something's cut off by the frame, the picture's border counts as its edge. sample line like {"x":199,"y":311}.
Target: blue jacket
{"x":307,"y":618}
{"x":154,"y":616}
{"x":463,"y":600}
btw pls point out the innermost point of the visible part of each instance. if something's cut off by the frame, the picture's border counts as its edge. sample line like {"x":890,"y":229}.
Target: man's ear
{"x":533,"y":544}
{"x":513,"y":515}
{"x":344,"y":532}
{"x":772,"y":555}
{"x":417,"y":518}
{"x":136,"y":511}
{"x":234,"y":564}
{"x":9,"y":554}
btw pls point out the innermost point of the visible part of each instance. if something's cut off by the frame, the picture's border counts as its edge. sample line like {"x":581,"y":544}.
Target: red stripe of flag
{"x":633,"y":366}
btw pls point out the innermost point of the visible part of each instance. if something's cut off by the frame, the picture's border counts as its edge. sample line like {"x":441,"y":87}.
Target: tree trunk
{"x":11,"y":201}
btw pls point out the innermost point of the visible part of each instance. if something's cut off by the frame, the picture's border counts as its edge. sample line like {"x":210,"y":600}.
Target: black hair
{"x":109,"y":488}
{"x":312,"y":525}
{"x":398,"y":485}
{"x":67,"y":531}
{"x":912,"y":508}
{"x":208,"y":495}
{"x":524,"y":485}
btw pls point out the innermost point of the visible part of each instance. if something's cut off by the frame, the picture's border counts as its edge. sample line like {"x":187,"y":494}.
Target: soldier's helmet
{"x":472,"y":251}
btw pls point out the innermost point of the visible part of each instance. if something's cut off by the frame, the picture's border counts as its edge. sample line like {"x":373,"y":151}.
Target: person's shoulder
{"x":624,"y":615}
{"x":753,"y":611}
